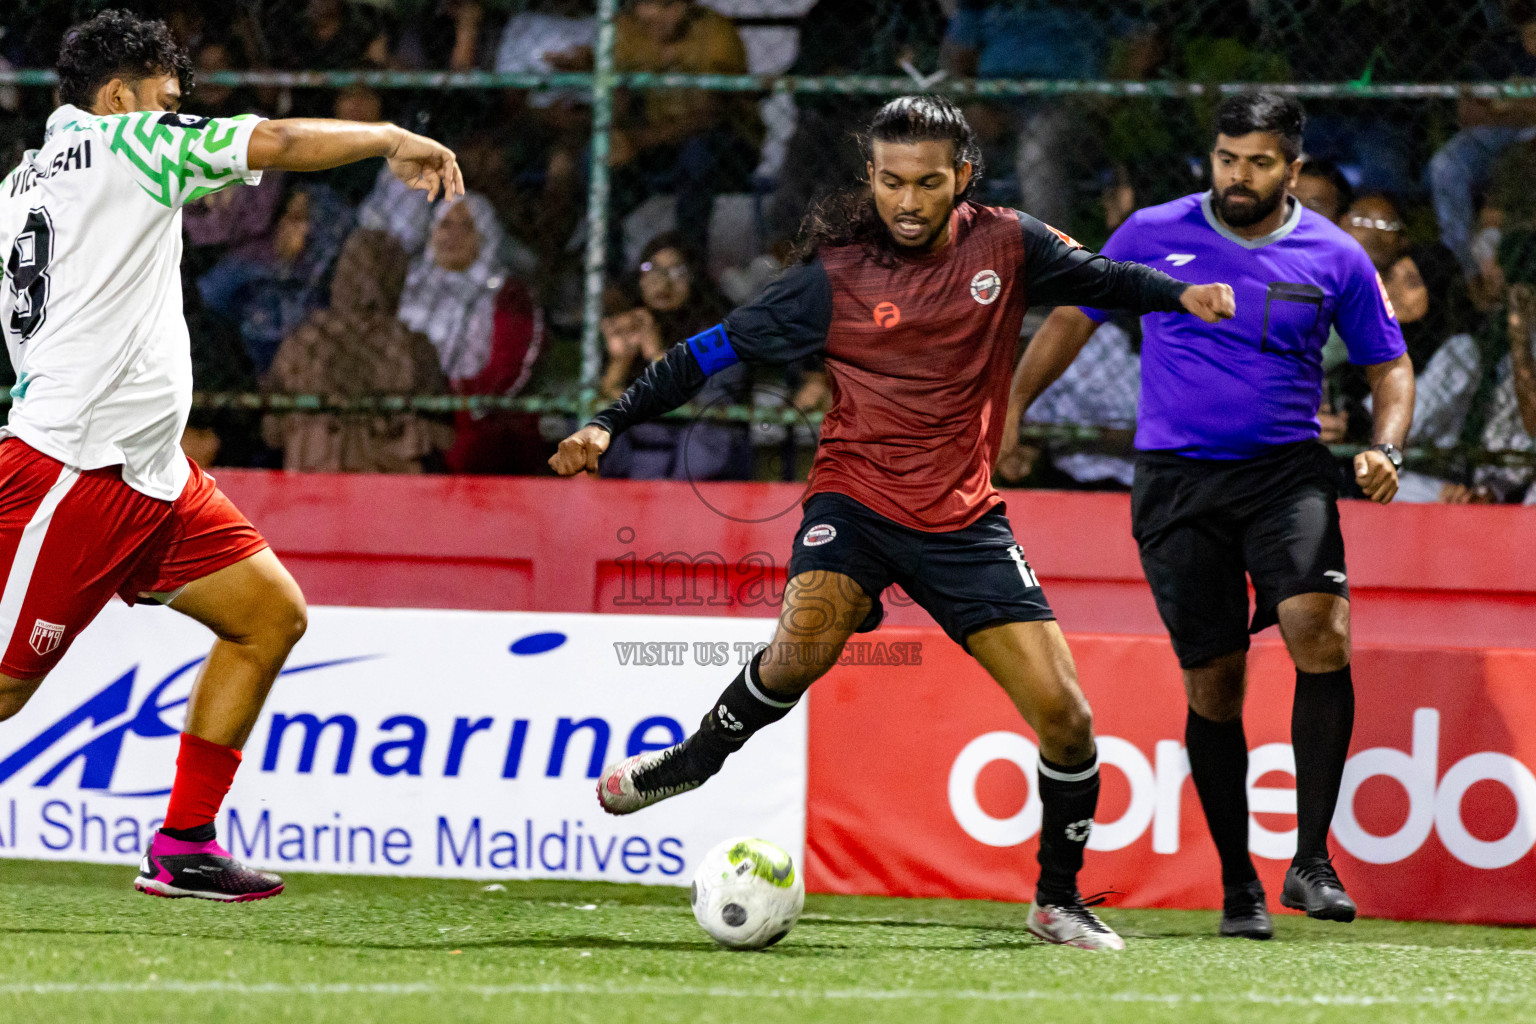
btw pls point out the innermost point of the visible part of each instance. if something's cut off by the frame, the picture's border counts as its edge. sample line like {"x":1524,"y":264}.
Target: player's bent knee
{"x":281,"y":621}
{"x":292,"y":623}
{"x":1067,"y":726}
{"x":1318,"y":643}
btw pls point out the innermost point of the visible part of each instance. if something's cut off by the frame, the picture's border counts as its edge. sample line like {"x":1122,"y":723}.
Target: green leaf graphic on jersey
{"x":178,"y":158}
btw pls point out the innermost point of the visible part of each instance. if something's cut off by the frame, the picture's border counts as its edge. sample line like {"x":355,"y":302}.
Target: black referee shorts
{"x":1201,"y":524}
{"x":966,"y":579}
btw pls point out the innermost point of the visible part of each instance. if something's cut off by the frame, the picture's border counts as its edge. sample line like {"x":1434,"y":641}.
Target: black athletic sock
{"x":742,"y":709}
{"x":1218,"y":762}
{"x":205,"y":833}
{"x":1322,"y":719}
{"x":1069,"y":795}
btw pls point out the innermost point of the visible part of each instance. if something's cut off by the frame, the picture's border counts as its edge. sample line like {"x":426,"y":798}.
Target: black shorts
{"x":966,"y":579}
{"x":1202,"y":523}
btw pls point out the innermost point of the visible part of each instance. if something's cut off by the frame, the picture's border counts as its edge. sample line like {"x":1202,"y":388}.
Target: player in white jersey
{"x":96,"y":497}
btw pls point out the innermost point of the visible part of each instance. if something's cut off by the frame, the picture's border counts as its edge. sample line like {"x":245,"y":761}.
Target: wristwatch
{"x":1390,"y":451}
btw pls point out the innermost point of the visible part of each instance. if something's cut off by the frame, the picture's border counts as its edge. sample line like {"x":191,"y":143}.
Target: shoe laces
{"x":1245,"y":897}
{"x":1319,"y":872}
{"x":672,"y":770}
{"x":1078,"y":909}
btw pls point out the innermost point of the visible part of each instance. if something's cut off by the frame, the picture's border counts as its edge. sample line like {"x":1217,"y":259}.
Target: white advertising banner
{"x":410,"y":742}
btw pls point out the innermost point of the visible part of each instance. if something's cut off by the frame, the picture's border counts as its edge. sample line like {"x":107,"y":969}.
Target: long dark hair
{"x":848,"y":216}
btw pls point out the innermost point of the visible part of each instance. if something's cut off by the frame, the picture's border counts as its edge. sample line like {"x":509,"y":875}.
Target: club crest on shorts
{"x":986,"y":286}
{"x":818,"y":535}
{"x":46,"y":636}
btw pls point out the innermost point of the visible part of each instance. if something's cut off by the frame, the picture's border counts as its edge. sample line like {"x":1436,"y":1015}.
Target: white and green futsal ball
{"x":747,"y":894}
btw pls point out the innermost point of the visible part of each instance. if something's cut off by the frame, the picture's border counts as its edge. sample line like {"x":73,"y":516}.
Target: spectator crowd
{"x":345,"y":285}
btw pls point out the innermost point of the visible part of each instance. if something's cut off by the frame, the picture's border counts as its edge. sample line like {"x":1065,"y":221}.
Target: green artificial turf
{"x":77,"y":944}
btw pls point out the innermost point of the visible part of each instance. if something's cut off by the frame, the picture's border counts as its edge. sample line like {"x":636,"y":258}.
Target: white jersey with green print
{"x":90,"y":305}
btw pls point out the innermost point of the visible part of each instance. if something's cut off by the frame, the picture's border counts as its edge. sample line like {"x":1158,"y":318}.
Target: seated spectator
{"x":395,"y":208}
{"x":353,"y":181}
{"x":209,"y":99}
{"x":231,"y":218}
{"x":1037,"y":139}
{"x":1428,"y":316}
{"x":358,"y":347}
{"x":441,"y":35}
{"x":1481,"y":392}
{"x":269,"y":285}
{"x":326,"y":34}
{"x":821,"y":156}
{"x":676,"y":301}
{"x":218,"y":437}
{"x":1099,"y":389}
{"x":554,"y":35}
{"x":1322,"y":188}
{"x":1420,"y":280}
{"x":487,"y":332}
{"x":1464,"y":166}
{"x":694,"y":144}
{"x":322,"y":35}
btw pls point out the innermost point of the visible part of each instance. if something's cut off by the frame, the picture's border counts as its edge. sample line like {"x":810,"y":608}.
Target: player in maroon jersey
{"x":915,"y":296}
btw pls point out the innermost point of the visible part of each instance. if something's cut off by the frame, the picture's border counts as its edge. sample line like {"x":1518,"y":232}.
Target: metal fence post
{"x":597,"y":205}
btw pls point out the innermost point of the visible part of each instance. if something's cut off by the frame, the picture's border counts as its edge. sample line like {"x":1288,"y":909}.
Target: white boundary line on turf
{"x":721,"y":992}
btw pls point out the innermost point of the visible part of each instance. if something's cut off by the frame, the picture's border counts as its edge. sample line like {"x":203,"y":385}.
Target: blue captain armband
{"x":713,"y":350}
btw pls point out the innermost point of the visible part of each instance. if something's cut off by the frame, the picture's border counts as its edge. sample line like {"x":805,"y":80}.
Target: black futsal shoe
{"x":1312,"y":885}
{"x":1243,"y":913}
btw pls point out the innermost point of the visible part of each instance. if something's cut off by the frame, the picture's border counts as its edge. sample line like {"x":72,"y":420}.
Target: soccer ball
{"x":747,"y":894}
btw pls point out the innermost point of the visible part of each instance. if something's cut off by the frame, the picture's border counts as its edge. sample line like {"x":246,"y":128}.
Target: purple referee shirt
{"x":1234,"y":390}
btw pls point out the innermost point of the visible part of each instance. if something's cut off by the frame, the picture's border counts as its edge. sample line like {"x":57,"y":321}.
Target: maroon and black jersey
{"x":919,"y":355}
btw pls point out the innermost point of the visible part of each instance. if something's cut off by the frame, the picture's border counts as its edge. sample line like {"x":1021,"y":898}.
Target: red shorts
{"x":70,"y":539}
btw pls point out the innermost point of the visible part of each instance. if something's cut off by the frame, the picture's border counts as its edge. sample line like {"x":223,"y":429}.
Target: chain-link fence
{"x":641,"y":166}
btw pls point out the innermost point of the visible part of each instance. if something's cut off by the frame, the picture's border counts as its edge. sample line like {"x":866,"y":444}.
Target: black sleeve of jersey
{"x":1057,"y":274}
{"x":666,"y":384}
{"x":787,"y":322}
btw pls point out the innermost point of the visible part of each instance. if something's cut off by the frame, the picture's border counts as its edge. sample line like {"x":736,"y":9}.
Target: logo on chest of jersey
{"x":887,"y":314}
{"x":986,"y":286}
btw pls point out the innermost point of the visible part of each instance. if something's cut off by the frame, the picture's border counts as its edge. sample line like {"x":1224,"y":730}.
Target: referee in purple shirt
{"x":1232,"y":480}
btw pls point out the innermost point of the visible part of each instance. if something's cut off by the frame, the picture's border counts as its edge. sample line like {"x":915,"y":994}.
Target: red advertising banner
{"x":922,"y":781}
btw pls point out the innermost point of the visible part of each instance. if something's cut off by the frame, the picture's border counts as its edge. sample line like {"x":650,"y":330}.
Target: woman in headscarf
{"x":358,"y":347}
{"x":487,"y":332}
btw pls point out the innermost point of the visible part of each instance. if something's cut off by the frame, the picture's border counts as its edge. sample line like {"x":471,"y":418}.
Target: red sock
{"x":204,"y":772}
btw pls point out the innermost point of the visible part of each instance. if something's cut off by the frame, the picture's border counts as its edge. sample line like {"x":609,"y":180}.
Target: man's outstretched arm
{"x":666,"y":384}
{"x":788,"y":321}
{"x":1058,"y":272}
{"x":318,"y":144}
